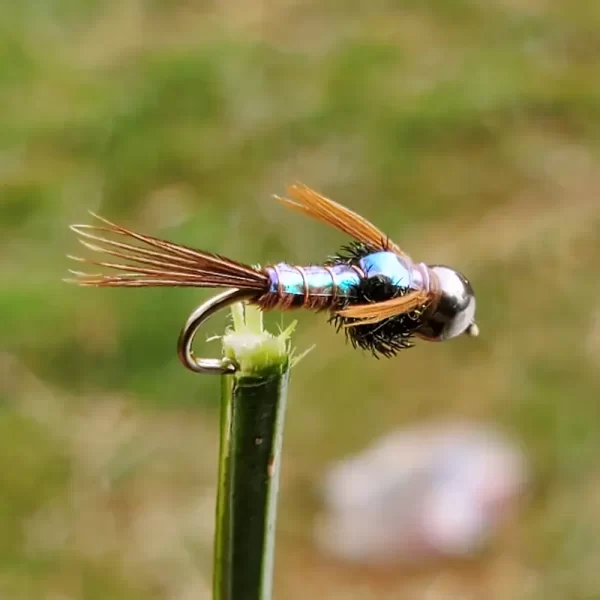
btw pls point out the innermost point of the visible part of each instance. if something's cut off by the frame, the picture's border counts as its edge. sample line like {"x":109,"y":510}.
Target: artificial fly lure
{"x":372,"y":289}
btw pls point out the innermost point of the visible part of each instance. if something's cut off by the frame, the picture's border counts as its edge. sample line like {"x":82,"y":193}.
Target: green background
{"x":469,"y":131}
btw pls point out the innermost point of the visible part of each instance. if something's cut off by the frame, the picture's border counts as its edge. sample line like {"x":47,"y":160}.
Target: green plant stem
{"x":252,"y":419}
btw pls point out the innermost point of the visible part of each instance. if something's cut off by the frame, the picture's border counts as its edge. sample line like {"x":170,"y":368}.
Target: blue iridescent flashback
{"x":387,"y":264}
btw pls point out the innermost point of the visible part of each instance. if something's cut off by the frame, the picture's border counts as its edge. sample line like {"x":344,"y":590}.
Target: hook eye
{"x":208,"y":366}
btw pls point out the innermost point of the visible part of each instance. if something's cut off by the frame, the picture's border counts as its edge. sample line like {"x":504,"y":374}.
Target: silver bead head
{"x":455,"y":312}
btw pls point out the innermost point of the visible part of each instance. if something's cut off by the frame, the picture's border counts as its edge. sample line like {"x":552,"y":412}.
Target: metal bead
{"x":455,"y":312}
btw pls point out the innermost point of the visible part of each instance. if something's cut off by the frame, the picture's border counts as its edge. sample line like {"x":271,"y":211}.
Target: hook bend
{"x":208,"y":366}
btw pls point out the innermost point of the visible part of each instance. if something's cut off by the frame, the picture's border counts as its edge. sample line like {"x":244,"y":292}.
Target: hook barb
{"x":208,"y":366}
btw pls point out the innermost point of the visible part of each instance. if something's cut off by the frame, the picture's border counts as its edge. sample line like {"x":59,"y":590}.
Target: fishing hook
{"x":208,"y":366}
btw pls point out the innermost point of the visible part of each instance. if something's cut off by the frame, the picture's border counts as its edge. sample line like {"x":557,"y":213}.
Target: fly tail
{"x":153,"y":262}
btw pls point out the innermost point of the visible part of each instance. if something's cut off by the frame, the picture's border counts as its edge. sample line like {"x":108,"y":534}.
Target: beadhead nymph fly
{"x":371,"y":289}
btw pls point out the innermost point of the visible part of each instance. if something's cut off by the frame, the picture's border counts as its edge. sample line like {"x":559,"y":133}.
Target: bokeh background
{"x":469,"y":131}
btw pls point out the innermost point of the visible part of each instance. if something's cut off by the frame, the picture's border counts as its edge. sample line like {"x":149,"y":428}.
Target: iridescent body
{"x":314,"y":280}
{"x":340,"y":280}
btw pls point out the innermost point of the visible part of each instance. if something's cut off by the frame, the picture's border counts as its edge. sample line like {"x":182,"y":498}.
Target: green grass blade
{"x":252,"y":421}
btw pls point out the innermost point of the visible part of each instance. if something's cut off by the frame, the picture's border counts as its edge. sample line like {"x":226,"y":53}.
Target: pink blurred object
{"x":437,"y":490}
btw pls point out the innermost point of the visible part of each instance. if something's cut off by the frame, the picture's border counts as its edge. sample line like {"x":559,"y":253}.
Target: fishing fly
{"x":371,"y":288}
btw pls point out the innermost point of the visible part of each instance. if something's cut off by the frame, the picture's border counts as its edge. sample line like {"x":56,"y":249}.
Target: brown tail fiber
{"x":152,"y":262}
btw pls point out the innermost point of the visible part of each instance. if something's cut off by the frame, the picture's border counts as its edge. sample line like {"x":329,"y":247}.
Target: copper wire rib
{"x":280,"y":300}
{"x":306,"y":295}
{"x":334,"y":285}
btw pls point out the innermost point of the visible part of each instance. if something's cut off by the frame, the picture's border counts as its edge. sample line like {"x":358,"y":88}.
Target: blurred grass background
{"x":469,"y":131}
